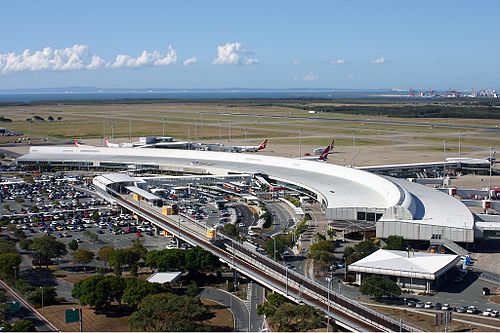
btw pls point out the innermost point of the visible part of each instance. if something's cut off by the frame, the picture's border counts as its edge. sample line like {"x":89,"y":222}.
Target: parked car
{"x":472,"y":309}
{"x":438,"y":306}
{"x":419,"y":305}
{"x":428,"y":305}
{"x":445,"y":307}
{"x":495,"y":313}
{"x":487,"y":313}
{"x":462,"y":309}
{"x":410,"y":304}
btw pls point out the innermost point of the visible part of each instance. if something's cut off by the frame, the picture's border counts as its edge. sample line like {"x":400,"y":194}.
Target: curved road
{"x":233,"y":303}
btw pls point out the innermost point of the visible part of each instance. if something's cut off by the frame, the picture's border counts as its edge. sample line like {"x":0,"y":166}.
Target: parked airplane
{"x":320,"y":150}
{"x":110,"y":144}
{"x":323,"y":157}
{"x":251,"y":148}
{"x":78,"y":144}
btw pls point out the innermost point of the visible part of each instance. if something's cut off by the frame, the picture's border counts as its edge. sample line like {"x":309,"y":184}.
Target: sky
{"x":190,"y":44}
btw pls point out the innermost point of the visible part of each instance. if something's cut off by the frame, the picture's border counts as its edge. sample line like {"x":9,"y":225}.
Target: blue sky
{"x":250,"y":44}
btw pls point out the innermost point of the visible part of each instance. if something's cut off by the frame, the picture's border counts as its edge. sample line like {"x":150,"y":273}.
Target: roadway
{"x":234,"y":304}
{"x":344,"y":311}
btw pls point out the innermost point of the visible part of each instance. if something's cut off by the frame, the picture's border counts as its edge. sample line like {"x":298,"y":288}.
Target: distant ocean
{"x":28,"y":97}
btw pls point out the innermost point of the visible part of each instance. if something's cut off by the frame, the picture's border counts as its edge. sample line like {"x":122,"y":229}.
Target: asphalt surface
{"x":282,"y":218}
{"x":233,"y":303}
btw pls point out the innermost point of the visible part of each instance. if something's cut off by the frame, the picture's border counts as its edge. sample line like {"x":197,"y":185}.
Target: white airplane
{"x":251,"y":148}
{"x":78,"y":144}
{"x":320,"y":150}
{"x":110,"y":144}
{"x":323,"y":157}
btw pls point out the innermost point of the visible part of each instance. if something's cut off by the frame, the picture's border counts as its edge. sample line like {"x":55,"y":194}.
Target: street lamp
{"x":444,"y":158}
{"x":353,"y":149}
{"x":15,"y":273}
{"x":41,"y":288}
{"x":460,"y":144}
{"x":300,"y":144}
{"x":489,"y":179}
{"x":245,"y":130}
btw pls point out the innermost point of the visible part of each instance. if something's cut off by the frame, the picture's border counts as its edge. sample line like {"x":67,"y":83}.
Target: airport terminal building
{"x":398,"y":206}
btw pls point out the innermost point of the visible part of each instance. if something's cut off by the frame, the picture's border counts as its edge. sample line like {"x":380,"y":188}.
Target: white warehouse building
{"x":400,"y":207}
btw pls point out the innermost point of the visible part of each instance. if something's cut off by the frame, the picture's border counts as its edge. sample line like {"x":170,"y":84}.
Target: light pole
{"x":42,"y":296}
{"x":189,"y":138}
{"x":130,"y":130}
{"x":112,"y":131}
{"x":489,"y":178}
{"x":460,"y":144}
{"x":15,"y":273}
{"x":444,"y":158}
{"x":220,"y":131}
{"x":353,"y":149}
{"x":274,"y":246}
{"x":229,"y":137}
{"x":300,"y":144}
{"x":196,"y":129}
{"x":245,"y":143}
{"x":328,"y":296}
{"x":163,"y":126}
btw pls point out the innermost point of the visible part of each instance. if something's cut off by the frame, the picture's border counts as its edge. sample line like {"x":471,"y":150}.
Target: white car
{"x":471,"y":309}
{"x":428,"y":305}
{"x":494,"y":313}
{"x":487,"y":313}
{"x":446,"y":307}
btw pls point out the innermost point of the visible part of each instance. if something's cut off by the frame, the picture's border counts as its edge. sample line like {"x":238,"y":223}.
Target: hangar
{"x":399,"y":207}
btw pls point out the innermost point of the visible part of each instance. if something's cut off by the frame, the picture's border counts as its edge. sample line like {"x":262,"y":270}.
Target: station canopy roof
{"x":419,"y":265}
{"x":143,"y":193}
{"x":164,"y":277}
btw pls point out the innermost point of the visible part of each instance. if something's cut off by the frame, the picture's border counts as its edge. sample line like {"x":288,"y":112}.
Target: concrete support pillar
{"x":235,"y":279}
{"x":157,"y":230}
{"x":428,"y":286}
{"x":358,"y":278}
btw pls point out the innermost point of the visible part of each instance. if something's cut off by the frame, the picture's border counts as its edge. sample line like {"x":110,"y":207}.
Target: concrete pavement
{"x":234,"y":304}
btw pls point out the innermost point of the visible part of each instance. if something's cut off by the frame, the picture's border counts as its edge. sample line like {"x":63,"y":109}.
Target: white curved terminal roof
{"x":338,"y":186}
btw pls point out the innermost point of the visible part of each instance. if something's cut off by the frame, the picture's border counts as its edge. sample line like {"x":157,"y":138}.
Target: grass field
{"x":218,"y":121}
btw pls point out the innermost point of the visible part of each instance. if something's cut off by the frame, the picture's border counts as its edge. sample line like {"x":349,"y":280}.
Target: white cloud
{"x":309,"y":77}
{"x":338,"y":61}
{"x":296,"y":62}
{"x":234,"y":54}
{"x":378,"y":61}
{"x":190,"y":61}
{"x":77,"y":57}
{"x":154,"y":58}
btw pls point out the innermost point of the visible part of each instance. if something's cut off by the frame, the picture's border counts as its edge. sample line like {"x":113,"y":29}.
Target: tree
{"x":282,"y":243}
{"x":269,"y":307}
{"x":25,"y":244}
{"x":395,"y":242}
{"x":322,"y":253}
{"x":331,"y":233}
{"x":124,"y":257}
{"x":48,"y":247}
{"x":7,"y":247}
{"x":192,"y":289}
{"x":197,"y":259}
{"x":49,"y":295}
{"x":50,"y":118}
{"x":320,"y":237}
{"x":169,"y":312}
{"x":166,"y":260}
{"x":99,"y":291}
{"x":296,"y":318}
{"x":378,"y":287}
{"x":136,"y":290}
{"x":359,"y":251}
{"x":73,"y":245}
{"x":231,"y":231}
{"x":105,"y":253}
{"x":83,"y":257}
{"x":9,"y":265}
{"x":95,"y":215}
{"x":23,"y":325}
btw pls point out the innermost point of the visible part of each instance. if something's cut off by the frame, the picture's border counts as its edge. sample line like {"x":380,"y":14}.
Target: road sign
{"x":72,"y":316}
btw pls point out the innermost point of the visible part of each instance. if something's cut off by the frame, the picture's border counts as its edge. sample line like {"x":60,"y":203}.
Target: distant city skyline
{"x":258,"y":44}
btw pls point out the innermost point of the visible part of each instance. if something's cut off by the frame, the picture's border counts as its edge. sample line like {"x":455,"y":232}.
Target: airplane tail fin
{"x":75,"y":141}
{"x":324,"y":154}
{"x":263,"y":145}
{"x":106,"y":142}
